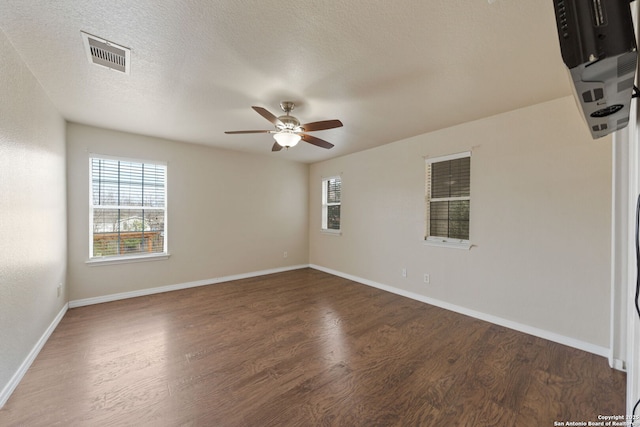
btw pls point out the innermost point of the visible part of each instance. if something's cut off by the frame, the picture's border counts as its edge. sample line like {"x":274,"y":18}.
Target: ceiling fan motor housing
{"x":289,"y":123}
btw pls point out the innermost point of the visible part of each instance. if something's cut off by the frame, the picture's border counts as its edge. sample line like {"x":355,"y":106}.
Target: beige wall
{"x":33,"y":249}
{"x":540,"y":220}
{"x":229,"y":213}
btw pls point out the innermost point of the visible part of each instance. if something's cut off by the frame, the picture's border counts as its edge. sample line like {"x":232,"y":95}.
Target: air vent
{"x":598,"y":13}
{"x":625,"y":85}
{"x":106,"y":54}
{"x":627,"y":64}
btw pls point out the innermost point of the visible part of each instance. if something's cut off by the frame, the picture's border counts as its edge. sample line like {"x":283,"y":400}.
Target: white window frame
{"x":326,"y":204}
{"x":448,"y":242}
{"x":138,"y":257}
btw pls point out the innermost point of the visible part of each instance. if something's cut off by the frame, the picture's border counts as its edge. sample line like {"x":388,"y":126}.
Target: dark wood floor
{"x":302,"y":348}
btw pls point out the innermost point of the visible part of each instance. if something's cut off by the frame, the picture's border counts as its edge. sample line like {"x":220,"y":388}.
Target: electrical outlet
{"x":427,"y":279}
{"x":59,"y":289}
{"x":404,"y":272}
{"x":285,"y":254}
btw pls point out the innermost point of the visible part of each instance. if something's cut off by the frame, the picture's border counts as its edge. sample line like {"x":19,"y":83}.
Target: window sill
{"x":464,"y":245}
{"x":98,"y":261}
{"x":331,"y":232}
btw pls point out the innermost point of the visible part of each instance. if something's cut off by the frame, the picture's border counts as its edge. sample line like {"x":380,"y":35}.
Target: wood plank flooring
{"x":302,"y":348}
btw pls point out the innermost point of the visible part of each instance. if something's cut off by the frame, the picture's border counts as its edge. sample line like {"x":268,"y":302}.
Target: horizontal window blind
{"x":125,"y":183}
{"x":333,"y":190}
{"x":450,"y":178}
{"x":448,"y":185}
{"x":128,"y":207}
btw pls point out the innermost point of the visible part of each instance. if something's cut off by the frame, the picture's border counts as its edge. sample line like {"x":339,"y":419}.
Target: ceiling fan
{"x":289,"y":131}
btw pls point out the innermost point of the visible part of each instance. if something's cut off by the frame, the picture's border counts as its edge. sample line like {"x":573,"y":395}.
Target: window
{"x":448,"y":199}
{"x":128,"y":208}
{"x":331,"y":189}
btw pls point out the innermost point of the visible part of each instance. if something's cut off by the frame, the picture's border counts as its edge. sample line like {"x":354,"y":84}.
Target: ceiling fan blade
{"x":316,"y":141}
{"x":276,"y":147}
{"x":233,"y":132}
{"x":322,"y":125}
{"x":267,"y":115}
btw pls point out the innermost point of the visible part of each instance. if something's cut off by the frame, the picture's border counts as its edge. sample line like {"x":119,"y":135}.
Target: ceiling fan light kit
{"x":288,"y":130}
{"x":287,"y":138}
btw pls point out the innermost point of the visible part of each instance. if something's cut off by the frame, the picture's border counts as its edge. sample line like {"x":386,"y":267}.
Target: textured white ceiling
{"x":387,"y":69}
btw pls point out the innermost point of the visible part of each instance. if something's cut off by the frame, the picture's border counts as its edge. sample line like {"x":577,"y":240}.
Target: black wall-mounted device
{"x":598,"y":47}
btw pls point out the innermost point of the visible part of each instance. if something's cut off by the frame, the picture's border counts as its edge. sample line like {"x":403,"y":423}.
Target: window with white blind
{"x":448,"y":199}
{"x":128,"y":209}
{"x":331,"y":200}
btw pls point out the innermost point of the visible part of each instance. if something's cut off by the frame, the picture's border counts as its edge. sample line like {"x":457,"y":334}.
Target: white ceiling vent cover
{"x":106,"y":54}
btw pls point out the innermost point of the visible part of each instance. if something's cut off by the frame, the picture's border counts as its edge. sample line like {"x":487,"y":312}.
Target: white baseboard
{"x":17,"y":377}
{"x":618,"y":364}
{"x":530,"y":330}
{"x":168,"y":288}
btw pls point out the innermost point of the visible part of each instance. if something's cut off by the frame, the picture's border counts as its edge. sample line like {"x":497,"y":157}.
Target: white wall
{"x":33,"y":249}
{"x":229,"y":213}
{"x":626,"y":327}
{"x":540,"y":221}
{"x":625,"y":262}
